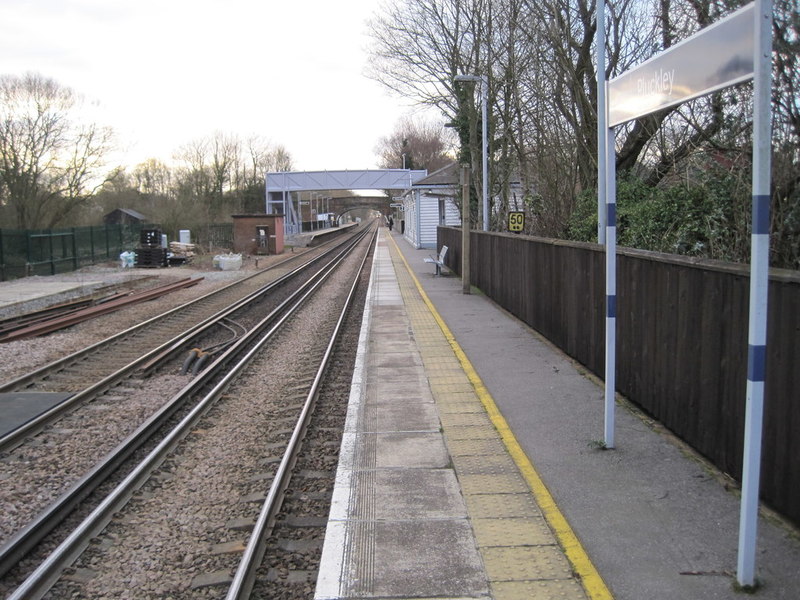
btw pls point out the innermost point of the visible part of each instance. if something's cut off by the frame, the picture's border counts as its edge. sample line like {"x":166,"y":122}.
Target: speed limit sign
{"x":516,"y":221}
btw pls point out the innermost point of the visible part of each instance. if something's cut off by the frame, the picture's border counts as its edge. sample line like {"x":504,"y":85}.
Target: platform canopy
{"x":310,"y":181}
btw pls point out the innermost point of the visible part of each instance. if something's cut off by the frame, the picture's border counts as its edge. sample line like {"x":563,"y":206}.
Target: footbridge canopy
{"x":281,"y":185}
{"x":311,"y":181}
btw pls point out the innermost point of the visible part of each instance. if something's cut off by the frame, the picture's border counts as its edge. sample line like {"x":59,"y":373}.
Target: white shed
{"x":429,"y":203}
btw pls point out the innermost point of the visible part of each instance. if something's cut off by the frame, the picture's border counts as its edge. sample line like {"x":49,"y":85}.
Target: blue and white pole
{"x":607,"y":222}
{"x":611,"y":287}
{"x":759,"y":284}
{"x":602,"y":119}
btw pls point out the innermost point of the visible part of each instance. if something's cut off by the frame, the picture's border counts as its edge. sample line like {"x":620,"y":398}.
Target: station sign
{"x":732,"y":50}
{"x":716,"y":57}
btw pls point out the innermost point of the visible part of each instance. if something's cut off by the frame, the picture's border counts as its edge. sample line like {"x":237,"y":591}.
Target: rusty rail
{"x":49,"y":325}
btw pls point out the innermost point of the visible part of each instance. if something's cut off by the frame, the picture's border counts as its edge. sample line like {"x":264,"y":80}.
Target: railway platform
{"x":470,"y":468}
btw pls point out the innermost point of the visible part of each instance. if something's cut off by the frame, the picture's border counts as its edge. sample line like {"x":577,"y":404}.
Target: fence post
{"x":27,"y":252}
{"x":74,"y":250}
{"x":2,"y":257}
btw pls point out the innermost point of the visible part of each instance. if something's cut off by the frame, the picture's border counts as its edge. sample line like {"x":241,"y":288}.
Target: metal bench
{"x":438,"y":261}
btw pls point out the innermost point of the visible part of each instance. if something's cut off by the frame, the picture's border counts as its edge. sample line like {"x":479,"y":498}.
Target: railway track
{"x":133,"y":354}
{"x":222,"y":384}
{"x":38,"y":491}
{"x":112,"y":354}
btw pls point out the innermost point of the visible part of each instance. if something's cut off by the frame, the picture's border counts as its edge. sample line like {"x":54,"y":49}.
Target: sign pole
{"x":735,"y":49}
{"x":602,"y":118}
{"x":759,"y":284}
{"x":611,"y":287}
{"x":606,"y":222}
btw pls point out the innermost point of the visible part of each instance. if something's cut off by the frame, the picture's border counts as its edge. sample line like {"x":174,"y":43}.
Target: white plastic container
{"x":185,"y":236}
{"x":228,"y":262}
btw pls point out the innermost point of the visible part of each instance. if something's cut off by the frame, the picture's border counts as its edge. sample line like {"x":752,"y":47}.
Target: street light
{"x":484,"y":81}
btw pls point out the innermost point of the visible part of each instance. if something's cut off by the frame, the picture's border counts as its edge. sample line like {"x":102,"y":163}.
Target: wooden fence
{"x":681,"y":339}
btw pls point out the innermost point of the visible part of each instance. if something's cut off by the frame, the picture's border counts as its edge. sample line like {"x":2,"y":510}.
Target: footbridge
{"x":289,"y":191}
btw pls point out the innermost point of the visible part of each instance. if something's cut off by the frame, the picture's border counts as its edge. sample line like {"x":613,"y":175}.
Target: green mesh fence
{"x":51,"y":251}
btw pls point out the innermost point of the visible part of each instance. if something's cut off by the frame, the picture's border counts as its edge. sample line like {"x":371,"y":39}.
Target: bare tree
{"x":194,"y":178}
{"x":153,"y":177}
{"x":539,"y":57}
{"x":225,"y":158}
{"x":222,"y":175}
{"x":258,"y":158}
{"x":415,"y":144}
{"x":419,"y":46}
{"x":50,"y":160}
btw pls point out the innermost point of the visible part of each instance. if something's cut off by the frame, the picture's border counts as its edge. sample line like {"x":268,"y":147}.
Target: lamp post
{"x":484,"y":81}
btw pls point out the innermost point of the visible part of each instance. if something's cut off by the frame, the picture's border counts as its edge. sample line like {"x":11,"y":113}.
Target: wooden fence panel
{"x":681,"y":339}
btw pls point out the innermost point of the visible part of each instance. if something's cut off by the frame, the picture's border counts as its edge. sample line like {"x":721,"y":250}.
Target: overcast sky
{"x":166,"y":72}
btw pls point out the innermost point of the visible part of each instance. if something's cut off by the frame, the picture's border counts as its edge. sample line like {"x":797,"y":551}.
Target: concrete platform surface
{"x":428,"y":503}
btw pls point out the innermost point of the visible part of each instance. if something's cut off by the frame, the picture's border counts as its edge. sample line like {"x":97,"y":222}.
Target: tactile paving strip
{"x":518,"y":531}
{"x":488,"y":464}
{"x":475,"y":447}
{"x":525,"y":563}
{"x":553,"y":589}
{"x":502,"y":505}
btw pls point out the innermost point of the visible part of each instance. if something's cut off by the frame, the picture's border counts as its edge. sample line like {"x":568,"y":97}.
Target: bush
{"x":709,"y":220}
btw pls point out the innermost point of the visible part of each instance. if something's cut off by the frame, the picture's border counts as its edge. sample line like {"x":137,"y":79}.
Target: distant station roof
{"x":446,"y":177}
{"x":377,"y":179}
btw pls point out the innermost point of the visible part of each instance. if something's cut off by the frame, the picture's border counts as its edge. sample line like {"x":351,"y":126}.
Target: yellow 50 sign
{"x":516,"y":221}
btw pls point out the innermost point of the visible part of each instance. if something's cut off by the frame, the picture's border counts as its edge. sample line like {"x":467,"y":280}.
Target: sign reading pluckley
{"x":714,"y":58}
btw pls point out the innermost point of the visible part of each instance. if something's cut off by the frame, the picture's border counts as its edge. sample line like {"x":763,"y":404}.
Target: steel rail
{"x":11,"y":324}
{"x":145,"y":362}
{"x":84,"y":314}
{"x":242,"y":585}
{"x":25,"y":539}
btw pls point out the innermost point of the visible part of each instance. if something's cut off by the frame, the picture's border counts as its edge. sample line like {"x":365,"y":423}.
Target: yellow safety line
{"x":590,"y":578}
